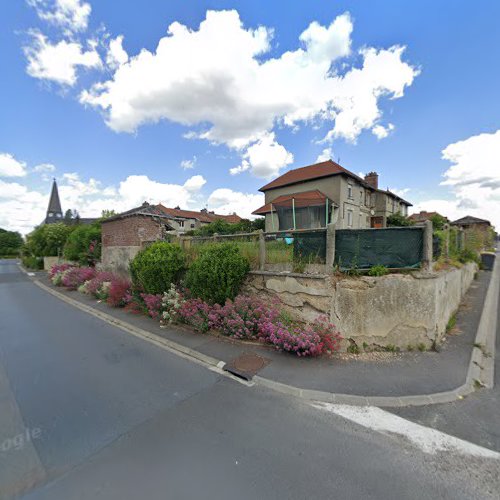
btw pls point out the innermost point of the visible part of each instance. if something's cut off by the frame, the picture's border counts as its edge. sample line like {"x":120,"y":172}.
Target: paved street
{"x":90,"y":412}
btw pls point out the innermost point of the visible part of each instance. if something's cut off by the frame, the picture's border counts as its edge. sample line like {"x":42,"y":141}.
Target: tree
{"x":106,"y":214}
{"x":10,"y":242}
{"x":84,"y":244}
{"x":47,"y":240}
{"x":398,"y":220}
{"x":438,"y":222}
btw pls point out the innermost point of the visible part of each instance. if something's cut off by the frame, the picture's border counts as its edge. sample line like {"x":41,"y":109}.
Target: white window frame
{"x":350,"y":217}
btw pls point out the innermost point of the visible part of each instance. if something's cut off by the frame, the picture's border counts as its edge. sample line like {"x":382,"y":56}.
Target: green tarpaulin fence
{"x":391,"y":247}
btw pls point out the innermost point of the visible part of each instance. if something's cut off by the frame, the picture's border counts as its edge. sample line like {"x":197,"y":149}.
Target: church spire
{"x":54,"y":210}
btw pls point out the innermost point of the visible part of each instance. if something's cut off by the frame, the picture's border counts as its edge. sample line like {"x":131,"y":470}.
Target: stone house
{"x":312,"y":196}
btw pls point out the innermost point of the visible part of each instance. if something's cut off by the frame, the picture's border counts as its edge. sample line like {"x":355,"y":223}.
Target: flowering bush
{"x":119,"y":294}
{"x":244,"y":317}
{"x":171,"y":304}
{"x":309,"y":340}
{"x":58,"y":269}
{"x":153,"y":303}
{"x":198,"y":314}
{"x":96,"y":287}
{"x":73,"y":277}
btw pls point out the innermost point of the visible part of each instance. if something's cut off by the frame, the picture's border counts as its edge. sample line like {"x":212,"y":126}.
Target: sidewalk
{"x":383,"y":378}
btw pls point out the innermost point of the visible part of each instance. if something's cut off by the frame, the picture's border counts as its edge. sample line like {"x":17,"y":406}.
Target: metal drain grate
{"x":246,"y":365}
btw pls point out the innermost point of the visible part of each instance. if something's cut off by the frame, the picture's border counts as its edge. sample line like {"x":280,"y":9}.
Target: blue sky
{"x":267,"y":87}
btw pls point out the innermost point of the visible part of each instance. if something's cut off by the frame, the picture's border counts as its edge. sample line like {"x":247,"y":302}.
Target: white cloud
{"x":44,"y":168}
{"x":196,"y":78}
{"x":22,"y":208}
{"x":226,"y":201}
{"x":10,"y":167}
{"x":264,"y":158}
{"x":188,"y":164}
{"x":473,"y":177}
{"x":58,"y":62}
{"x":381,"y":132}
{"x":116,"y":55}
{"x":70,"y":15}
{"x":326,"y":154}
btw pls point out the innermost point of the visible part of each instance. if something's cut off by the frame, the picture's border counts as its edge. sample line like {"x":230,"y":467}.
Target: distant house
{"x":423,"y":216}
{"x":469,"y":222}
{"x":187,"y":220}
{"x":124,"y":234}
{"x":312,"y":196}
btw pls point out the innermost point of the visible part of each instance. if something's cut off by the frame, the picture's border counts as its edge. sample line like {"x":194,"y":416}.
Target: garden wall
{"x":117,"y":258}
{"x":397,"y":309}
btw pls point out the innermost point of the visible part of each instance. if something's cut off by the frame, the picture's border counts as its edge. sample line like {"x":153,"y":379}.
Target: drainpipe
{"x":293,"y":212}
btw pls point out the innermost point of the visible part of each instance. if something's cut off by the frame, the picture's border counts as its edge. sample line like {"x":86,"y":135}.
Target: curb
{"x":480,"y":370}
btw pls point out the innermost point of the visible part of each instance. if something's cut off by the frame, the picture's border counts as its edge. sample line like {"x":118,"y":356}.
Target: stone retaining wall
{"x":397,"y":309}
{"x":117,"y":258}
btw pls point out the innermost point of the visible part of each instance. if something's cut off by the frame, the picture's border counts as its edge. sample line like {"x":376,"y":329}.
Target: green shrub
{"x":47,"y":240}
{"x":468,"y":255}
{"x":31,"y":262}
{"x":378,"y":270}
{"x":218,"y":273}
{"x":84,"y":244}
{"x":156,"y":267}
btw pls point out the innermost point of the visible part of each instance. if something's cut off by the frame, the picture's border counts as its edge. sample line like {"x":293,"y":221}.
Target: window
{"x":361,"y":197}
{"x":181,"y":223}
{"x":305,"y":218}
{"x":349,"y":218}
{"x":368,"y":198}
{"x":349,"y":191}
{"x":192,"y":226}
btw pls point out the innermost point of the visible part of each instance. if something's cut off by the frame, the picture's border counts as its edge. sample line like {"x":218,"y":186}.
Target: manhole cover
{"x":246,"y":365}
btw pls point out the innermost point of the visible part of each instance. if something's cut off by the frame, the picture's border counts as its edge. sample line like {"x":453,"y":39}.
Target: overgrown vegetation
{"x":223,"y":227}
{"x":378,"y":270}
{"x":398,"y":220}
{"x":83,"y":244}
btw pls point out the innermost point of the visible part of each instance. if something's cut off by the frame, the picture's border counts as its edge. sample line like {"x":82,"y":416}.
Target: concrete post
{"x":262,"y":250}
{"x":446,"y":240}
{"x":427,"y":257}
{"x":330,"y":247}
{"x":215,"y":236}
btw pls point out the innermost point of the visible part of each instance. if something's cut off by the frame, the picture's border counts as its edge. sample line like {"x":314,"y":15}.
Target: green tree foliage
{"x":10,"y":242}
{"x":84,"y":244}
{"x":218,"y":273}
{"x":156,"y":267}
{"x":106,"y":214}
{"x":398,"y":220}
{"x":47,"y":240}
{"x":438,"y":222}
{"x":221,"y":226}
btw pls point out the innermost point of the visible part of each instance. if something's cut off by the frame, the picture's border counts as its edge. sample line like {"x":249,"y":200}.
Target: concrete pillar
{"x":330,"y":247}
{"x":215,"y":236}
{"x":446,"y":240}
{"x":427,"y":257}
{"x":262,"y":250}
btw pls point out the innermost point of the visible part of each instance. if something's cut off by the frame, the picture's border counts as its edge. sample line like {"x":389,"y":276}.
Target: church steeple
{"x":54,"y":210}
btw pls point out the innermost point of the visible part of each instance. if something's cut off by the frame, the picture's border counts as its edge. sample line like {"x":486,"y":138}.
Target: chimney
{"x":371,"y":178}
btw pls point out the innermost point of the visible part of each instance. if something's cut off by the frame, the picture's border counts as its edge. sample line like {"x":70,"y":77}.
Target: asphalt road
{"x":90,"y":412}
{"x":476,"y":418}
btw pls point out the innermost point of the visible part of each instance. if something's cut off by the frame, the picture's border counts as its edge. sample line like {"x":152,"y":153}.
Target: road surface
{"x":91,"y":412}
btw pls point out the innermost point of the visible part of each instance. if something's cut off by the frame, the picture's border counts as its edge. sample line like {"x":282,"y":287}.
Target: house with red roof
{"x":313,"y":196}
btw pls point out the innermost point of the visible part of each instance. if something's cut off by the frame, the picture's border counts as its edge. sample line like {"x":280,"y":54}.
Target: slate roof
{"x":469,"y":220}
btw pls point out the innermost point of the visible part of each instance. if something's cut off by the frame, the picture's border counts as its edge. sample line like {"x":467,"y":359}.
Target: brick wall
{"x":130,"y":231}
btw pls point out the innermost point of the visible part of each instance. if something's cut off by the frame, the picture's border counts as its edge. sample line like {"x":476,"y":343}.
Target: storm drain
{"x":246,"y":365}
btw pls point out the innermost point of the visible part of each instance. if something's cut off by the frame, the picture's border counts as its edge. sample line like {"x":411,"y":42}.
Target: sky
{"x":199,"y":104}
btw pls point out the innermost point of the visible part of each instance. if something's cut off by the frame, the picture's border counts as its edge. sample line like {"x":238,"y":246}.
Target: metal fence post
{"x":427,"y":253}
{"x":262,"y":250}
{"x":330,"y":247}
